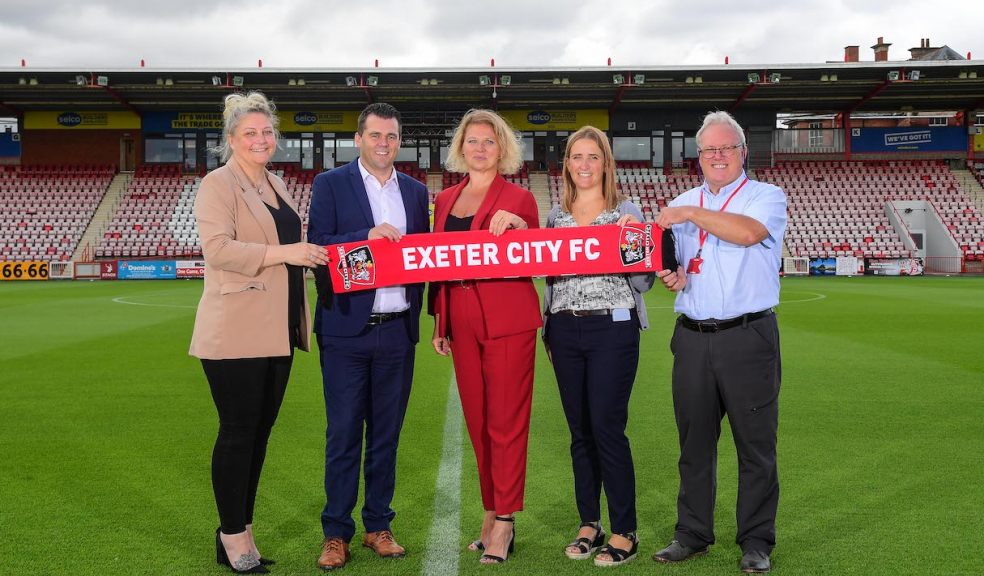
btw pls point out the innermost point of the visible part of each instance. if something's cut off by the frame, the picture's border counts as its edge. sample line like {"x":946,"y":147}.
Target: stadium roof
{"x":826,"y":87}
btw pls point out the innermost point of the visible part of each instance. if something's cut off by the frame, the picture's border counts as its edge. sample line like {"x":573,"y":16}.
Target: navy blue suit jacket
{"x":340,"y":212}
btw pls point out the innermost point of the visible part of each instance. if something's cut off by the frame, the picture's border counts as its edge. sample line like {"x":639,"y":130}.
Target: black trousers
{"x":595,"y":360}
{"x":247,"y":393}
{"x":735,"y":372}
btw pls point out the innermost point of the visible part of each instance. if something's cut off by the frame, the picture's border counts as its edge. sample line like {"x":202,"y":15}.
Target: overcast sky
{"x":461,"y":33}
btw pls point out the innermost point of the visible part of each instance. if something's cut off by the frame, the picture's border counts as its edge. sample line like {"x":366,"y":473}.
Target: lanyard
{"x":703,"y":233}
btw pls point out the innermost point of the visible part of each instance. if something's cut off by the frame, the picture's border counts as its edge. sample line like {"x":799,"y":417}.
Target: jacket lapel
{"x":359,"y":190}
{"x":255,"y":205}
{"x":491,"y":199}
{"x":442,"y":215}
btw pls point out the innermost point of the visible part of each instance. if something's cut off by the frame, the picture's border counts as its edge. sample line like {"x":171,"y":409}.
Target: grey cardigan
{"x":638,"y":282}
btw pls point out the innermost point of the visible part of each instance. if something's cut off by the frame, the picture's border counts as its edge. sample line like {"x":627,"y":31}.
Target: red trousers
{"x":495,"y":382}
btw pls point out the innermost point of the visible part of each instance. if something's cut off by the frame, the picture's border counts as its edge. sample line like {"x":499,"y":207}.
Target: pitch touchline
{"x":444,"y":536}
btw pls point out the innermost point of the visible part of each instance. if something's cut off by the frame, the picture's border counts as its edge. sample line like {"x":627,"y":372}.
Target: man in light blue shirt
{"x":726,"y":360}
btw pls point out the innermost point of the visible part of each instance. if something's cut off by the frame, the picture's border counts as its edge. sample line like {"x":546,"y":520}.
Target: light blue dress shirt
{"x":733,"y":279}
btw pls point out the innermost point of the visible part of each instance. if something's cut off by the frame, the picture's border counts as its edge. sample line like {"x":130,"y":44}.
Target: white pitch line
{"x":443,"y":539}
{"x":122,"y":300}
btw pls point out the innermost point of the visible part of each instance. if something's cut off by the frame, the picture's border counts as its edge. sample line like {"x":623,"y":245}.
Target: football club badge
{"x":357,"y":266}
{"x":636,"y":245}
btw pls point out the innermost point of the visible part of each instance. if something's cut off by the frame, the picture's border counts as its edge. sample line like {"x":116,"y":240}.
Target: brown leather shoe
{"x":383,"y":544}
{"x":334,"y":553}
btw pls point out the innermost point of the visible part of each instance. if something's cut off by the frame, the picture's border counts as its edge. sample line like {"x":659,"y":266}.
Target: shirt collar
{"x":726,"y":189}
{"x":365,"y":174}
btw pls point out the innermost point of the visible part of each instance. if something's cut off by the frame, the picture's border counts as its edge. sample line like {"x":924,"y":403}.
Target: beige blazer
{"x":243,"y":310}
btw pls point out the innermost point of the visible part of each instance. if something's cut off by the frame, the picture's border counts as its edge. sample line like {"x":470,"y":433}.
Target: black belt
{"x":377,"y":319}
{"x":579,"y":313}
{"x":713,"y":325}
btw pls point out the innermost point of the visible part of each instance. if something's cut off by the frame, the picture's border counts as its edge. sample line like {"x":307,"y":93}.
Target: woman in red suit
{"x":489,"y":326}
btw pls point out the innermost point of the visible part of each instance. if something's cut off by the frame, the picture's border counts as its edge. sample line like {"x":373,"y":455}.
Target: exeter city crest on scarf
{"x":635,"y":245}
{"x":356,"y":266}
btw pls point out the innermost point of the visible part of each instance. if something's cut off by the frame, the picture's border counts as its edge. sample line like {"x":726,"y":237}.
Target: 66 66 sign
{"x":23,"y":270}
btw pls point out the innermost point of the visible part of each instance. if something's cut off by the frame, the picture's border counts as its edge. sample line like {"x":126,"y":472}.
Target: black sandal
{"x":489,"y":558}
{"x":618,"y":556}
{"x":586,"y":546}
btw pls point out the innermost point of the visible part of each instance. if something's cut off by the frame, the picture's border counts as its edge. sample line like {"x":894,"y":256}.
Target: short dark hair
{"x":382,"y":110}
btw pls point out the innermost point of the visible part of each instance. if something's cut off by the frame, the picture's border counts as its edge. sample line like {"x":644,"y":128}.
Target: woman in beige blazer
{"x":252,"y":314}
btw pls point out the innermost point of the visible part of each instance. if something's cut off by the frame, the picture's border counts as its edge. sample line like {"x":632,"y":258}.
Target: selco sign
{"x":305,"y":118}
{"x":69,"y":119}
{"x":538,"y":117}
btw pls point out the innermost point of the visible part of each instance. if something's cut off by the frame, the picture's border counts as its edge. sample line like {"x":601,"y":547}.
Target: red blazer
{"x":509,"y":305}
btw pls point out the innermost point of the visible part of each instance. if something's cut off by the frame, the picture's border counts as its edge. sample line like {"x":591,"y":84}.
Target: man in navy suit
{"x":367,"y":338}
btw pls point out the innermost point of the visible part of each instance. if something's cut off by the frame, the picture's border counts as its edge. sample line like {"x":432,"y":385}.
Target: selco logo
{"x":538,"y":117}
{"x":305,"y":118}
{"x":69,"y":119}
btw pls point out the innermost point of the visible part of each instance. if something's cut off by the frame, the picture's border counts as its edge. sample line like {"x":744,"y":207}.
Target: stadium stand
{"x":154,"y":218}
{"x":44,"y":210}
{"x":838,"y":208}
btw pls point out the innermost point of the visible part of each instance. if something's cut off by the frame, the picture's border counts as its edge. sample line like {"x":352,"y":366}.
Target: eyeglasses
{"x":723,"y":150}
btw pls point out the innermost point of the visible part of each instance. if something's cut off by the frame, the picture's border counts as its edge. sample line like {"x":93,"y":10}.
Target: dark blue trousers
{"x":366,"y":382}
{"x":595,"y":360}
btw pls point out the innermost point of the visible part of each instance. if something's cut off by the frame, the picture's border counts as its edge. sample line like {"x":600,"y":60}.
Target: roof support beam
{"x":123,"y":101}
{"x":741,"y":97}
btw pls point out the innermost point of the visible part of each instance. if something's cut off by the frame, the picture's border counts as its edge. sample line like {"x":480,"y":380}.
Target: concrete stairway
{"x":540,"y":187}
{"x":971,"y":186}
{"x":101,"y":219}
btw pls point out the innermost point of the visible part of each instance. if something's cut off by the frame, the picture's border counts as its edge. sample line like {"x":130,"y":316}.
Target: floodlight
{"x":33,"y":82}
{"x":372,"y":80}
{"x":169,"y":82}
{"x":639,"y":79}
{"x":972,"y":75}
{"x":556,"y":81}
{"x":351,"y":81}
{"x":893,"y":75}
{"x":301,"y":82}
{"x":216,"y":81}
{"x":689,"y":80}
{"x":618,"y":79}
{"x":775,"y":77}
{"x":291,"y":82}
{"x":833,"y":77}
{"x":22,"y":81}
{"x":698,"y":79}
{"x":238,"y":80}
{"x":81,"y":80}
{"x":913,"y":75}
{"x":824,"y":78}
{"x":484,"y":80}
{"x":102,"y":80}
{"x":565,"y":80}
{"x":505,"y":80}
{"x":753,"y":77}
{"x":963,"y":75}
{"x":433,"y":81}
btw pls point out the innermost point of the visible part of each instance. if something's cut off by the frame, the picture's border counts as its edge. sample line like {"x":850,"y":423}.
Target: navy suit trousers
{"x":366,"y":382}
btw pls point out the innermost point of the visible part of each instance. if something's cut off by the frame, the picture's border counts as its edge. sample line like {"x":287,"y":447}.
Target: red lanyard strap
{"x":703,"y":233}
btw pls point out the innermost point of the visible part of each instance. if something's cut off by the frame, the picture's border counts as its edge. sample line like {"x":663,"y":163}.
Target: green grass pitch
{"x":106,"y":427}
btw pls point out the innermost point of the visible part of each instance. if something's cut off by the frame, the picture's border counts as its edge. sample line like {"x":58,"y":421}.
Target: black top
{"x":289,"y":232}
{"x":455,"y":224}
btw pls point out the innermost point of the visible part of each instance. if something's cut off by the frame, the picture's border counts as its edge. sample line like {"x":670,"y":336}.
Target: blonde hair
{"x":237,"y":106}
{"x":510,"y":145}
{"x":608,"y":190}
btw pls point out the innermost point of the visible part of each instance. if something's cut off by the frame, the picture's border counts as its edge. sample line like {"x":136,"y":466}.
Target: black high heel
{"x":491,"y":559}
{"x":246,"y":564}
